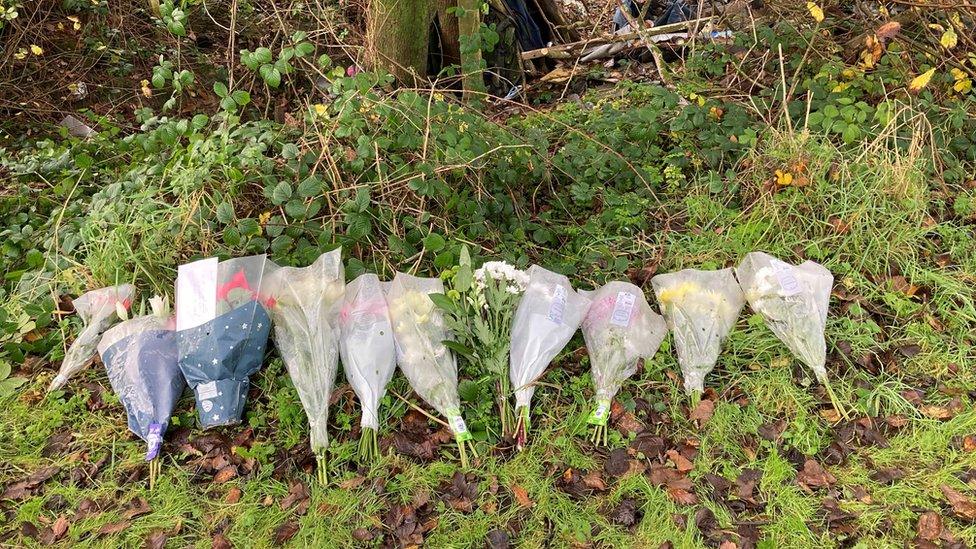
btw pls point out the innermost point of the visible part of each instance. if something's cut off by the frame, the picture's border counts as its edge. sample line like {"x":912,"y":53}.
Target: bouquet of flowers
{"x":619,"y":329}
{"x":99,"y":310}
{"x":222,"y":329}
{"x":368,"y":353}
{"x":480,"y":309}
{"x":793,"y":301}
{"x":305,"y":308}
{"x":140,"y":359}
{"x":548,"y":315}
{"x":701,"y":307}
{"x":419,"y":333}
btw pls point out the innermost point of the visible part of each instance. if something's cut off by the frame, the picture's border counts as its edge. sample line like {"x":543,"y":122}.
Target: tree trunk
{"x":397,"y":37}
{"x":450,"y":44}
{"x":469,"y":28}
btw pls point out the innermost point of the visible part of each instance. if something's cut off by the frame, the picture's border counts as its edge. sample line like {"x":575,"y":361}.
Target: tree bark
{"x":397,"y":37}
{"x":450,"y":43}
{"x":469,"y":28}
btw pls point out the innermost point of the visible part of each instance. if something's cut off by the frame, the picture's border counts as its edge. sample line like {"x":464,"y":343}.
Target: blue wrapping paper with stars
{"x":218,"y":357}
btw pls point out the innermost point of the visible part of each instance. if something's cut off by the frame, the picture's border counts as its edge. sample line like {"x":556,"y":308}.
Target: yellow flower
{"x":36,"y":50}
{"x":783,"y":178}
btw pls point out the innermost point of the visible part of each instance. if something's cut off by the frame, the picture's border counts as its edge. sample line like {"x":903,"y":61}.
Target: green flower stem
{"x":369,"y":447}
{"x":321,"y":467}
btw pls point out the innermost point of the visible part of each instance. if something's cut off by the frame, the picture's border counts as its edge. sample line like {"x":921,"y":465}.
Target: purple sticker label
{"x":154,"y":440}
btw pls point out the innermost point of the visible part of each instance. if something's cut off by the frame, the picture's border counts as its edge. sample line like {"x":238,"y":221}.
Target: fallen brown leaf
{"x":888,"y":30}
{"x":233,"y":496}
{"x":220,"y":541}
{"x":703,"y":412}
{"x":594,"y":481}
{"x":354,"y":482}
{"x":929,"y":526}
{"x":814,"y":475}
{"x":111,"y":528}
{"x":225,"y":474}
{"x":521,"y":496}
{"x":962,"y":506}
{"x":285,"y":532}
{"x":681,"y":463}
{"x":60,"y":527}
{"x":683,"y":497}
{"x":156,"y":540}
{"x":137,"y":507}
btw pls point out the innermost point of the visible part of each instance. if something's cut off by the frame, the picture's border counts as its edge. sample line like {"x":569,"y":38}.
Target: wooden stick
{"x":567,"y":49}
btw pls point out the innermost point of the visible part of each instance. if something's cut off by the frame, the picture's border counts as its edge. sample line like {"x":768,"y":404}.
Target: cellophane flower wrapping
{"x":222,"y":332}
{"x":366,"y":344}
{"x":700,"y":307}
{"x":793,"y":301}
{"x":547,"y":317}
{"x":305,"y":310}
{"x":419,"y":332}
{"x":98,"y":310}
{"x":140,"y":357}
{"x":619,"y":329}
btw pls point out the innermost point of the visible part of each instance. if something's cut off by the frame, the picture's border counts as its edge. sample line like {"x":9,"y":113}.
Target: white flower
{"x":515,"y":280}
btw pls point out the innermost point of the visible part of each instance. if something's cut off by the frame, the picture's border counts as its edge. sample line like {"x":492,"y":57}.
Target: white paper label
{"x":558,"y":305}
{"x":207,"y":390}
{"x":457,"y":425}
{"x":207,"y":405}
{"x":622,"y":309}
{"x":196,"y":293}
{"x":786,"y":277}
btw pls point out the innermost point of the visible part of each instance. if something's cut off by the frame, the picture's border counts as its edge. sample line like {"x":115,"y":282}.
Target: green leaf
{"x":228,"y":104}
{"x":325,"y":61}
{"x":199,"y":121}
{"x":281,"y":244}
{"x":464,"y":278}
{"x":158,"y":80}
{"x":289,"y":151}
{"x":225,"y":212}
{"x":434,"y":242}
{"x":4,"y":369}
{"x":249,"y":227}
{"x":444,"y":303}
{"x":305,"y":48}
{"x":465,"y":257}
{"x":241,"y":97}
{"x":262,"y":55}
{"x":295,"y":209}
{"x":281,"y":193}
{"x":458,"y":348}
{"x":270,"y":75}
{"x":310,"y":186}
{"x":358,"y":225}
{"x":8,"y":386}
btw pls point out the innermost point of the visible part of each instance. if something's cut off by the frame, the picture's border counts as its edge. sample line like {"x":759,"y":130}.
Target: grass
{"x":865,"y":215}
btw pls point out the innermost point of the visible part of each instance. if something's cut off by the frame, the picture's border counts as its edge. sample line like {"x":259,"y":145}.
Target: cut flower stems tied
{"x":140,"y":359}
{"x":222,"y":330}
{"x":99,"y":310}
{"x":793,"y":301}
{"x":419,"y":332}
{"x":619,"y":329}
{"x":700,"y":307}
{"x":305,"y":306}
{"x":548,"y":315}
{"x":368,"y":354}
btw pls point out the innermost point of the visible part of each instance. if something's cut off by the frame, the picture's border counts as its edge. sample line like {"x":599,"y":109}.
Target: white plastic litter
{"x":701,"y":307}
{"x":793,"y":300}
{"x":367,"y":349}
{"x":548,"y":315}
{"x":619,"y":329}
{"x":99,"y":310}
{"x":305,"y":312}
{"x":419,"y":332}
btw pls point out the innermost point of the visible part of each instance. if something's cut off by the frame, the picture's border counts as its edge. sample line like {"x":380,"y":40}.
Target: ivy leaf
{"x":816,"y":12}
{"x":921,"y":80}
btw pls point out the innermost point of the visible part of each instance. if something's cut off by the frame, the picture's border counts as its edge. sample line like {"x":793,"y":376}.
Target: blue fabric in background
{"x":676,"y":12}
{"x":218,"y":357}
{"x":151,"y":356}
{"x":526,"y":29}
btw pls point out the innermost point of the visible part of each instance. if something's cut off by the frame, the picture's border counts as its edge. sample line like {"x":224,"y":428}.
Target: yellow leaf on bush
{"x":921,"y":80}
{"x":36,"y":50}
{"x":815,"y":11}
{"x":963,"y":86}
{"x":146,"y":90}
{"x":949,"y":39}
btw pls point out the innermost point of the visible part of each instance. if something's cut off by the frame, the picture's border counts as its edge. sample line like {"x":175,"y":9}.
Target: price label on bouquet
{"x":460,"y":428}
{"x":623,"y":308}
{"x":196,"y":293}
{"x":786,"y":277}
{"x":558,"y":305}
{"x":600,"y":414}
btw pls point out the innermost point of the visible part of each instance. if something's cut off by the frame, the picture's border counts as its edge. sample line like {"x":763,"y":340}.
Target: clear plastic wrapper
{"x":222,"y":332}
{"x":368,"y":352}
{"x":619,"y":329}
{"x":547,"y":316}
{"x":140,"y":358}
{"x":793,"y":301}
{"x":99,"y":310}
{"x":700,"y":307}
{"x":419,"y":333}
{"x":305,"y":306}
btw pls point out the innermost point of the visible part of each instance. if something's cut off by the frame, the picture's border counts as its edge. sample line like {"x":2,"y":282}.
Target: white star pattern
{"x":260,"y":325}
{"x":216,"y":417}
{"x":214,"y":362}
{"x":244,"y":326}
